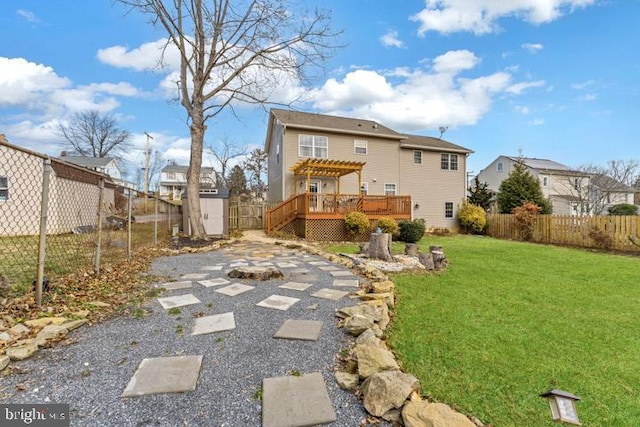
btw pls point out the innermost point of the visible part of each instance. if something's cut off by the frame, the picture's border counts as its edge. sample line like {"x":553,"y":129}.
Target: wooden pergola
{"x":327,"y":169}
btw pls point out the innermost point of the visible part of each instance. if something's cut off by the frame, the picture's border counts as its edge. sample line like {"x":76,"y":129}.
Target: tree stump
{"x":380,"y":246}
{"x":255,"y":273}
{"x":411,"y":249}
{"x":439,"y":260}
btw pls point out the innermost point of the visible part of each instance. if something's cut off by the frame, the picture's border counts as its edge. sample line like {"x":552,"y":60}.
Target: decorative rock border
{"x":371,"y":370}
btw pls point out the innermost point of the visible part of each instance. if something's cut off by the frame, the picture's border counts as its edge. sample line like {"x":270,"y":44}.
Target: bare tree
{"x":234,"y":51}
{"x":92,"y":134}
{"x":224,"y":152}
{"x":156,"y":162}
{"x":256,"y":167}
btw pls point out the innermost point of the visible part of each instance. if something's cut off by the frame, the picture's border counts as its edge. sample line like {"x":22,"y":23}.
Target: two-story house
{"x":106,"y":165}
{"x":173,"y":180}
{"x":567,"y":189}
{"x":606,"y":191}
{"x":340,"y":164}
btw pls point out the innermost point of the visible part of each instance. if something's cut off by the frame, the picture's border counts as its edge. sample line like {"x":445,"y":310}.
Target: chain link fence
{"x":57,"y":218}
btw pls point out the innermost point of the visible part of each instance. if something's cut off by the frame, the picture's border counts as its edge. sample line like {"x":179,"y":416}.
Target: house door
{"x":314,"y":198}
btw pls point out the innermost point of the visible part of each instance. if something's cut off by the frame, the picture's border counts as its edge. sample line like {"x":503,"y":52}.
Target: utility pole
{"x":146,"y":170}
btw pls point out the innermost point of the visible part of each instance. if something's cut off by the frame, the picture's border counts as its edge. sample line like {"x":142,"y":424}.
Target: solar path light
{"x":562,"y":406}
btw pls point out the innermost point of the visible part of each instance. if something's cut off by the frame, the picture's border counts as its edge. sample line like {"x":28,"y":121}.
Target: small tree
{"x":525,"y":216}
{"x":237,"y":182}
{"x":481,"y":195}
{"x":356,"y":223}
{"x":411,"y":231}
{"x":472,"y":218}
{"x":519,"y":187}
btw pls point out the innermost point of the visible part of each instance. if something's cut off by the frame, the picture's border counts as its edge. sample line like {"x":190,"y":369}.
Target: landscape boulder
{"x":427,"y":414}
{"x":255,"y":273}
{"x":387,"y":390}
{"x":372,"y":359}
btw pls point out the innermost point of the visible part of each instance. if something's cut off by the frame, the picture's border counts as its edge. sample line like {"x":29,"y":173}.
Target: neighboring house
{"x":314,"y":153}
{"x":73,"y":193}
{"x":606,"y":191}
{"x":567,"y":189}
{"x":173,"y":180}
{"x":106,"y":165}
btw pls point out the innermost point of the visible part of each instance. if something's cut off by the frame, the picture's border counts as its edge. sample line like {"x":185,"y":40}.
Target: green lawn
{"x":508,"y":321}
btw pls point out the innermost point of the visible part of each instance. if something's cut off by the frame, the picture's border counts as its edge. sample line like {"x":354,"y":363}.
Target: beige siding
{"x":492,"y":176}
{"x":382,"y":163}
{"x":431,"y":187}
{"x":275,"y":165}
{"x":20,"y":214}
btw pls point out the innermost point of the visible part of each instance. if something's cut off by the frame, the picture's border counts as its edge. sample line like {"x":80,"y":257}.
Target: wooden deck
{"x":324,"y":206}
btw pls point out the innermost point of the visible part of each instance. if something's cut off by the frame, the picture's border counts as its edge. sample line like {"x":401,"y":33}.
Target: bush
{"x":388,"y":225}
{"x":623,"y":209}
{"x":472,"y":218}
{"x":411,"y":231}
{"x":356,"y":223}
{"x":525,"y":216}
{"x":601,"y":239}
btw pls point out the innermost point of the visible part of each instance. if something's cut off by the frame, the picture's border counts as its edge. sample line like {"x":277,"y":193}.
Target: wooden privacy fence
{"x":246,"y":215}
{"x":587,"y":232}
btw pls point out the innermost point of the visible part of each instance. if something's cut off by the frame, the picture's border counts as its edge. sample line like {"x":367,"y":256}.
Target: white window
{"x":417,"y":157}
{"x":448,"y":210}
{"x":576,"y":183}
{"x":449,"y":161}
{"x":545,"y":181}
{"x":360,"y":146}
{"x":313,"y":146}
{"x":500,"y":167}
{"x":364,"y":188}
{"x":389,"y":189}
{"x":171,"y":175}
{"x":278,"y":153}
{"x":4,"y":188}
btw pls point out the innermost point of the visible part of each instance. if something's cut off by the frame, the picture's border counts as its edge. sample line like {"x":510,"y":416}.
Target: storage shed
{"x":214,"y":205}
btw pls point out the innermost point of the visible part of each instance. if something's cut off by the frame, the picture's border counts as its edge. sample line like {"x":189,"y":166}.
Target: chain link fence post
{"x":155,"y":222}
{"x":99,"y":226}
{"x":42,"y":243}
{"x":129,"y":217}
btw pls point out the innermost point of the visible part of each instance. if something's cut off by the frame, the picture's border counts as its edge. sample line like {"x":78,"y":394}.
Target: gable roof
{"x":183,"y":169}
{"x":432,"y":144}
{"x":610,"y":184}
{"x":89,"y":162}
{"x":540,"y":164}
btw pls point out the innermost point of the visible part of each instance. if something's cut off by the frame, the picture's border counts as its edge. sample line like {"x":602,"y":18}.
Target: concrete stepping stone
{"x":287,"y":264}
{"x":215,"y":323}
{"x":238,"y":264}
{"x":341,"y":273}
{"x":332,"y":294}
{"x":178,"y":301}
{"x":296,"y":286}
{"x":194,"y":276}
{"x":278,"y":302}
{"x":328,"y":268}
{"x":296,"y":401}
{"x":299,"y":271}
{"x":347,"y":283}
{"x":164,"y":375}
{"x":318,"y":263}
{"x":213,"y":282}
{"x":212,"y":267}
{"x":235,"y":289}
{"x":172,"y":286}
{"x":263,"y":264}
{"x":306,"y":330}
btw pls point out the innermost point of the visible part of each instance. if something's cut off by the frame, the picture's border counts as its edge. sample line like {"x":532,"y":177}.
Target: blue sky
{"x":554,"y":79}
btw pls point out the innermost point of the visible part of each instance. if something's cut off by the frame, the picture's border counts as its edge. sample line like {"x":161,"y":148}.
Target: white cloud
{"x":28,"y":15}
{"x":482,"y":16}
{"x":589,"y":97}
{"x":390,"y":39}
{"x":537,"y":122}
{"x":156,"y":56}
{"x":583,"y":85}
{"x":25,"y":83}
{"x":532,"y":48}
{"x":522,"y":109}
{"x":421,"y":98}
{"x":518,"y":88}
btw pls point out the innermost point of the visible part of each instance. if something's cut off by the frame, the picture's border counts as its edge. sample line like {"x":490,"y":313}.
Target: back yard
{"x":508,"y":321}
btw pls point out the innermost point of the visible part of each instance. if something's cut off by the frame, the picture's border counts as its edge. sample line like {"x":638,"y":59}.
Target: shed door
{"x":213,"y":216}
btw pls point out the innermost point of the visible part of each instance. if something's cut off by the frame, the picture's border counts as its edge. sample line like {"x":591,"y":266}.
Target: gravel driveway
{"x":91,"y":374}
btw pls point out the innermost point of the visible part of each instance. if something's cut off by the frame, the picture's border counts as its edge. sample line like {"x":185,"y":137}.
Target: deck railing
{"x":330,"y":205}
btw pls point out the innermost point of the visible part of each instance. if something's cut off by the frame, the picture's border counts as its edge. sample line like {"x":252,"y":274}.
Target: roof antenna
{"x":442,"y":130}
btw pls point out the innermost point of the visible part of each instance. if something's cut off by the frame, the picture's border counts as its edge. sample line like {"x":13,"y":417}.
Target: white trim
{"x":395,"y":188}
{"x":357,"y":143}
{"x":314,"y":145}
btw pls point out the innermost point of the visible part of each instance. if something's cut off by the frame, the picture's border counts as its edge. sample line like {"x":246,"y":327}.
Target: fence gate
{"x":246,"y":215}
